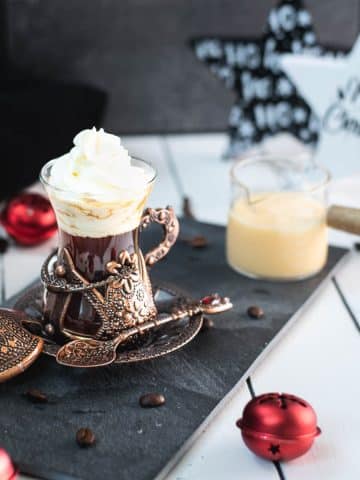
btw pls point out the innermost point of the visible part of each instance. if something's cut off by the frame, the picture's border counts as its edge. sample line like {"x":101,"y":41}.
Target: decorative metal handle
{"x":167,"y":218}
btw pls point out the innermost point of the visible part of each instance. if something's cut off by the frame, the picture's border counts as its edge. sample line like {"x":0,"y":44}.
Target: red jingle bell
{"x":278,"y":426}
{"x":29,"y":219}
{"x":7,"y":469}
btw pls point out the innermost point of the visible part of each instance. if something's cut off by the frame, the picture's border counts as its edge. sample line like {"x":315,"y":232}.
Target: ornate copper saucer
{"x":155,"y":343}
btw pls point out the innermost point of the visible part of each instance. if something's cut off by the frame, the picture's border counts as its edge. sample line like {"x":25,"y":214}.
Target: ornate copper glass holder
{"x":121,"y":300}
{"x":116,"y":296}
{"x":137,"y":323}
{"x":133,"y":321}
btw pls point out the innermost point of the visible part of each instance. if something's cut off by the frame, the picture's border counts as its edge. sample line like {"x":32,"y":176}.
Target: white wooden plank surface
{"x":319,"y":361}
{"x":204,"y":176}
{"x":22,"y":265}
{"x":219,"y":452}
{"x":150,"y":148}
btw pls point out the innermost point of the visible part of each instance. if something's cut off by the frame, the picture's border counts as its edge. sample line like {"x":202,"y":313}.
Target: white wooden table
{"x":317,"y":356}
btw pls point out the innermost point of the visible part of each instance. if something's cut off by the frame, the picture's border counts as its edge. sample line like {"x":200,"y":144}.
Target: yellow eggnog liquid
{"x":277,"y":235}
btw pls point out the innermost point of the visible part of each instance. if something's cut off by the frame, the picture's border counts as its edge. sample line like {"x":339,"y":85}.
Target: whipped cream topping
{"x":98,"y":165}
{"x":95,"y":189}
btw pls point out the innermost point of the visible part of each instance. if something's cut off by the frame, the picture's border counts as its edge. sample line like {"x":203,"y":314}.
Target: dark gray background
{"x":136,"y":50}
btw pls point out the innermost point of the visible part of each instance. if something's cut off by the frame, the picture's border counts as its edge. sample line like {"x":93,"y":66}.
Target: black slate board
{"x":135,"y":443}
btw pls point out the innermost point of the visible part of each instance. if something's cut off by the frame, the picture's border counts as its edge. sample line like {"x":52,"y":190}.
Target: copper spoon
{"x":97,"y":353}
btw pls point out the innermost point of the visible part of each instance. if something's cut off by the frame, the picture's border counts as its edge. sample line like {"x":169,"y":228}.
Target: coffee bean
{"x":255,"y":312}
{"x":207,"y":324}
{"x":150,"y":400}
{"x":199,"y":241}
{"x":85,"y":437}
{"x":262,"y":291}
{"x":36,"y":396}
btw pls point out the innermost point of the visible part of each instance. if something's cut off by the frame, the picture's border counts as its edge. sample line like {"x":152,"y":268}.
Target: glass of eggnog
{"x":277,"y":219}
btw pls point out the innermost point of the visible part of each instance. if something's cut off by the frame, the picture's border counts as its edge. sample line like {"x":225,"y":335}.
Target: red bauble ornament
{"x":278,"y":426}
{"x":29,"y":219}
{"x":7,"y":469}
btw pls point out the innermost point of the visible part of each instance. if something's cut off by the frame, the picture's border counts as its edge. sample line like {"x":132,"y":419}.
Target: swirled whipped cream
{"x":95,"y":188}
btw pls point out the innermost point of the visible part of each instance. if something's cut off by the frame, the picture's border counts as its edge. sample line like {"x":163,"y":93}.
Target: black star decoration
{"x":267,"y":101}
{"x":274,"y":449}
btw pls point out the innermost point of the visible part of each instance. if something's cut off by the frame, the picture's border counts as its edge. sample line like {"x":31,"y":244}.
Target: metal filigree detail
{"x":124,"y":297}
{"x":127,"y":300}
{"x":86,"y":354}
{"x":61,"y":284}
{"x":95,"y":353}
{"x":160,"y":341}
{"x":167,"y":218}
{"x":18,"y":348}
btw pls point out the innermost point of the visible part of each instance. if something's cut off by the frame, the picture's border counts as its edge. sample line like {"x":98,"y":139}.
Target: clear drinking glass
{"x":277,"y":219}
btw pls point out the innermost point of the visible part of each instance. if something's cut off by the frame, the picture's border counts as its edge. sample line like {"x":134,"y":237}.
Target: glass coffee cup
{"x":277,"y":220}
{"x":81,"y":221}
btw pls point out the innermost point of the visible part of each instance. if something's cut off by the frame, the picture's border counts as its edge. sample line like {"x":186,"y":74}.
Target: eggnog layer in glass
{"x":98,"y":193}
{"x":280,"y":235}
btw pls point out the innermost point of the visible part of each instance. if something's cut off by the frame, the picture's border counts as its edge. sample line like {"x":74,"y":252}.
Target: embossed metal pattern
{"x":156,"y":343}
{"x":18,"y":347}
{"x":88,"y":353}
{"x":167,"y":218}
{"x":96,"y":353}
{"x":123,"y":298}
{"x":127,"y":301}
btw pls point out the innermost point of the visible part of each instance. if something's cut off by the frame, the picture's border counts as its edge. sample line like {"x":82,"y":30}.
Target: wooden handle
{"x":344,"y":218}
